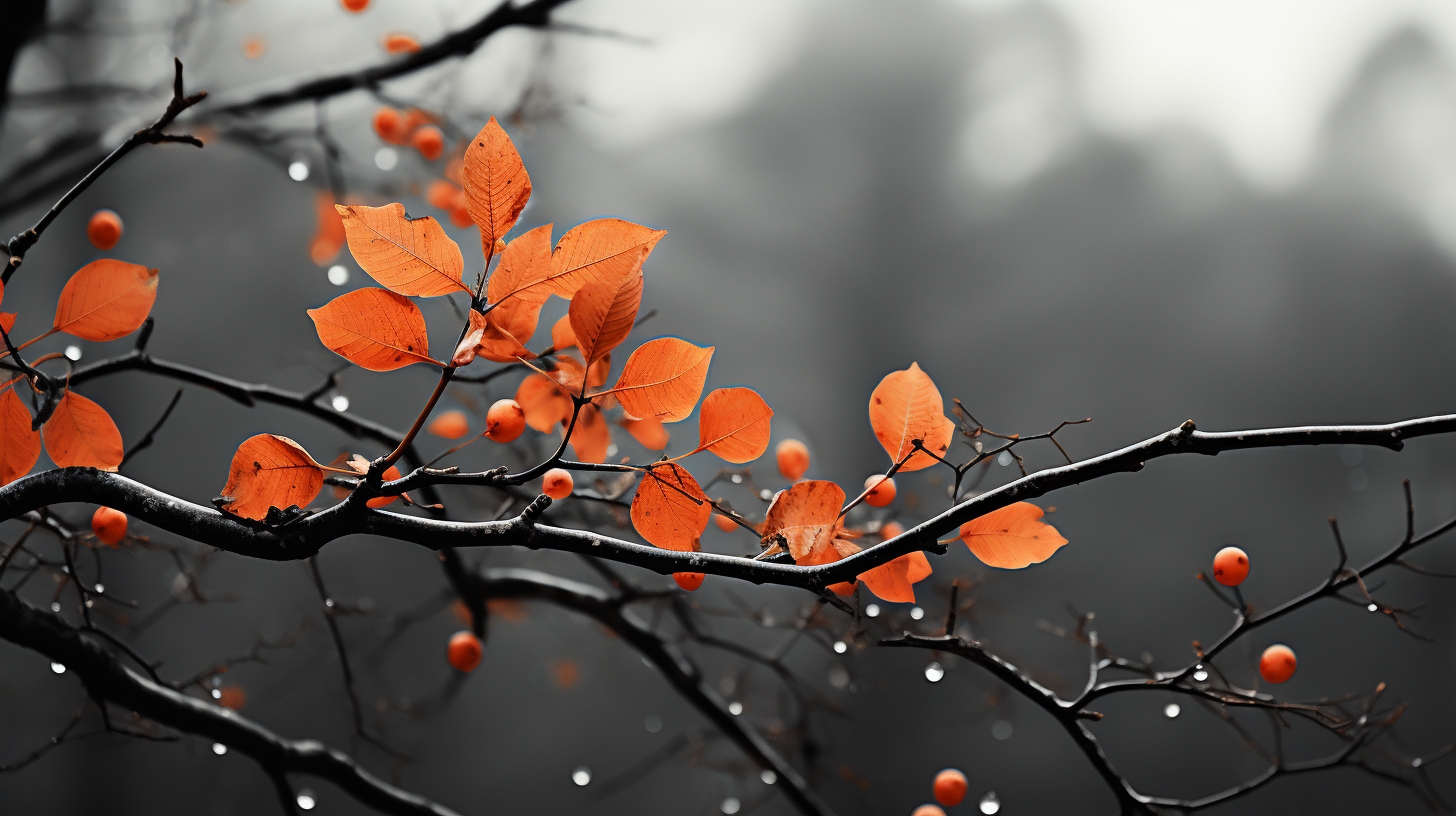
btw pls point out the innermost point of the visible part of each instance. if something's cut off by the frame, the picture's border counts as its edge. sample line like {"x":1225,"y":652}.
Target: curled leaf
{"x":670,"y":510}
{"x":1013,"y":537}
{"x":804,"y":520}
{"x":496,"y":184}
{"x":906,"y":406}
{"x":408,"y":256}
{"x":374,"y":329}
{"x":734,"y":424}
{"x":270,"y":471}
{"x":663,"y":379}
{"x":106,"y":299}
{"x":19,"y":445}
{"x":80,"y":433}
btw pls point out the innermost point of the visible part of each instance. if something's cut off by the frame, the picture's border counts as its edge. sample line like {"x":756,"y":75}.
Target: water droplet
{"x":840,"y":646}
{"x":736,"y":478}
{"x":1200,"y":675}
{"x":338,"y":275}
{"x":581,"y":776}
{"x":767,"y":620}
{"x":1171,"y":710}
{"x":916,"y":613}
{"x":765,"y":494}
{"x":730,"y":805}
{"x":55,"y":606}
{"x":386,"y":158}
{"x":838,"y":677}
{"x":219,"y":749}
{"x":989,"y":803}
{"x":934,"y":672}
{"x":306,"y":799}
{"x":57,"y":668}
{"x":1003,"y":460}
{"x":329,"y":602}
{"x":735,"y":708}
{"x":298,"y":171}
{"x":652,"y":724}
{"x":340,"y":402}
{"x":872,"y":611}
{"x":90,"y":603}
{"x":769,"y":777}
{"x":1001,"y":729}
{"x":73,"y":353}
{"x":217,"y":694}
{"x":1372,"y":608}
{"x":612,"y":449}
{"x":100,"y":589}
{"x":1416,"y":763}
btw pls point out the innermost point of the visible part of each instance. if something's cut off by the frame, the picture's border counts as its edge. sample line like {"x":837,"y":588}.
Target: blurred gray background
{"x":1141,"y":212}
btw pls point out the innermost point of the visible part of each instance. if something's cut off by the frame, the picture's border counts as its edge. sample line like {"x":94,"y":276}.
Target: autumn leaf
{"x":893,"y":580}
{"x":486,"y":337}
{"x":649,"y":432}
{"x":663,"y":379}
{"x":523,"y":269}
{"x":734,"y":424}
{"x":19,"y":445}
{"x":804,"y":519}
{"x":670,"y":510}
{"x":602,"y":313}
{"x":1013,"y":537}
{"x":906,"y":406}
{"x":270,"y":471}
{"x":360,"y":465}
{"x":592,"y":436}
{"x":7,"y":322}
{"x":408,"y":256}
{"x":545,"y":402}
{"x":496,"y":184}
{"x":562,"y":337}
{"x":328,"y":238}
{"x":374,"y":329}
{"x":81,"y":434}
{"x":604,"y":249}
{"x":106,"y":299}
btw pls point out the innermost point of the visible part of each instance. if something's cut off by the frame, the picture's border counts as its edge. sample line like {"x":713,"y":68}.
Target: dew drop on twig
{"x":581,"y":777}
{"x":934,"y":672}
{"x":989,"y":803}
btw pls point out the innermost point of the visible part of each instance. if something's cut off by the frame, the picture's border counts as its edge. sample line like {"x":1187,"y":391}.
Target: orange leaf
{"x":81,"y":434}
{"x":270,"y":471}
{"x":602,"y":313}
{"x":647,"y":431}
{"x":663,"y":379}
{"x":496,"y":184}
{"x":19,"y":445}
{"x":106,"y":299}
{"x":7,"y":321}
{"x":906,"y":406}
{"x":670,"y":510}
{"x":411,"y":256}
{"x":1012,"y":537}
{"x":592,"y":436}
{"x":562,"y":337}
{"x":604,"y":249}
{"x":545,"y":402}
{"x":374,"y":329}
{"x":734,"y":424}
{"x":360,"y":464}
{"x":805,"y":520}
{"x":329,"y":237}
{"x":524,"y":265}
{"x":892,"y":581}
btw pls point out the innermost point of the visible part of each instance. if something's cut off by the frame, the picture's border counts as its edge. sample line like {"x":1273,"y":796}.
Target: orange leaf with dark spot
{"x":19,"y":445}
{"x":670,"y":510}
{"x":328,"y":237}
{"x":408,"y":256}
{"x":906,"y":406}
{"x":1012,"y":537}
{"x":649,"y":432}
{"x":734,"y":424}
{"x":106,"y":299}
{"x":663,"y":379}
{"x":602,"y":313}
{"x":81,"y":434}
{"x":496,"y":184}
{"x":374,"y":329}
{"x":592,"y":436}
{"x":270,"y":471}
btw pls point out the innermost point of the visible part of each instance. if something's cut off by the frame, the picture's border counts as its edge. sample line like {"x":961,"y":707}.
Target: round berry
{"x":505,"y":421}
{"x":950,"y":787}
{"x":724,"y":523}
{"x":355,"y":6}
{"x":429,"y":141}
{"x":890,"y":529}
{"x":688,"y":580}
{"x":104,"y":229}
{"x":793,"y":457}
{"x":1278,"y":663}
{"x":881,"y":491}
{"x":109,"y":525}
{"x":557,"y":483}
{"x":928,"y":810}
{"x":389,"y":124}
{"x":400,"y":44}
{"x":1230,"y":566}
{"x":464,"y":651}
{"x":450,"y":425}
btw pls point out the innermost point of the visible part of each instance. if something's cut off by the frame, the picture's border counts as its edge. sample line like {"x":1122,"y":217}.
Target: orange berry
{"x":1278,"y":663}
{"x":450,"y":425}
{"x":557,"y":483}
{"x":104,"y":229}
{"x":1230,"y":566}
{"x":882,"y":492}
{"x":109,"y":525}
{"x":688,"y":580}
{"x":890,"y":529}
{"x":793,"y":458}
{"x":950,"y":787}
{"x":724,"y":523}
{"x":464,"y":651}
{"x":414,"y":117}
{"x":443,"y":195}
{"x":401,"y":44}
{"x":460,"y":216}
{"x":389,"y":124}
{"x":429,"y":141}
{"x":505,"y":421}
{"x":355,"y":6}
{"x":928,"y":810}
{"x":254,"y":46}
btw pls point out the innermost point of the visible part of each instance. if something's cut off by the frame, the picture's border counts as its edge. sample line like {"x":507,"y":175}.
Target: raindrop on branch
{"x":872,"y":611}
{"x":735,"y":708}
{"x":934,"y":672}
{"x":1200,"y":675}
{"x":989,"y":803}
{"x":769,"y":777}
{"x":338,"y":275}
{"x":298,"y":170}
{"x":840,"y":647}
{"x":730,"y":805}
{"x":219,"y":749}
{"x":57,"y":668}
{"x":100,"y":589}
{"x":73,"y":353}
{"x":736,"y":478}
{"x":306,"y":799}
{"x":1003,"y":460}
{"x":1171,"y":710}
{"x":340,"y":403}
{"x":916,"y":613}
{"x":581,"y":776}
{"x":1372,"y":608}
{"x":217,"y":694}
{"x":55,"y":606}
